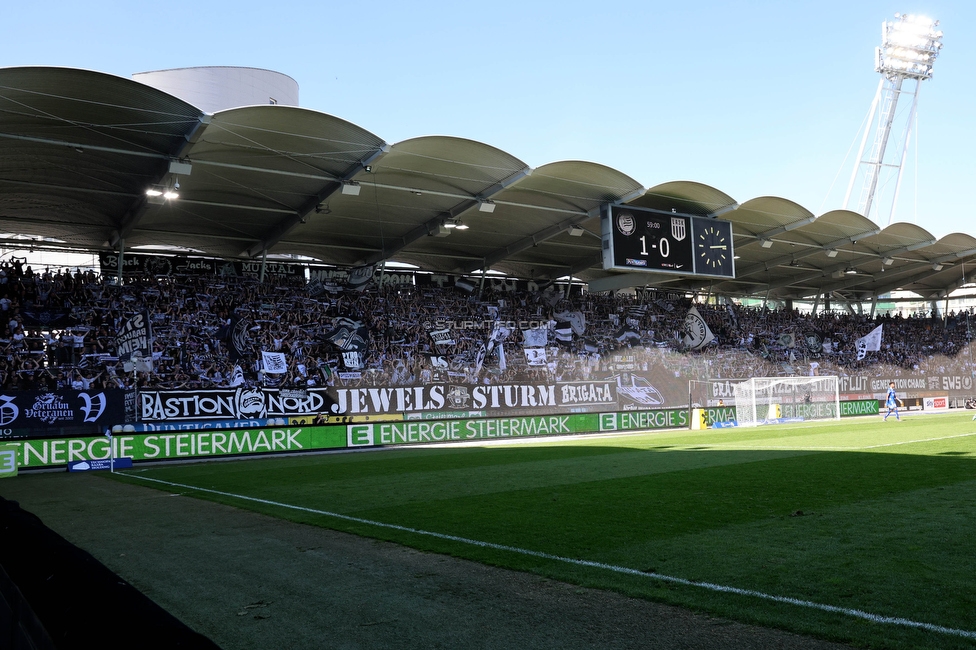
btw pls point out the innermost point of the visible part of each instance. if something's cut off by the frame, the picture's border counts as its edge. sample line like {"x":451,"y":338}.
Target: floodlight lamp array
{"x":909,"y":47}
{"x":169,"y":192}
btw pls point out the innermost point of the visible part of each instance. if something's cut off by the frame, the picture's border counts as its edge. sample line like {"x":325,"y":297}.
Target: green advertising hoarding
{"x":8,"y":461}
{"x":171,"y":445}
{"x":426,"y":432}
{"x":860,"y":407}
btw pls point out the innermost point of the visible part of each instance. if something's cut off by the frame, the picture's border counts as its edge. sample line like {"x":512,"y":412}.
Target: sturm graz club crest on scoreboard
{"x":639,"y":239}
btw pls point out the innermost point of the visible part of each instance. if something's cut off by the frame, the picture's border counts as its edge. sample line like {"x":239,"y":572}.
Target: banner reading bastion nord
{"x":624,"y":391}
{"x":246,"y":403}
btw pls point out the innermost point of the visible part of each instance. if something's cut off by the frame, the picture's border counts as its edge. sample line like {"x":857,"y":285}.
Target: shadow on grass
{"x":882,"y":532}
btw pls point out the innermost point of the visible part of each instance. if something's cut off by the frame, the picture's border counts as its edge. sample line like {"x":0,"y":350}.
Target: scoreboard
{"x":637,"y":239}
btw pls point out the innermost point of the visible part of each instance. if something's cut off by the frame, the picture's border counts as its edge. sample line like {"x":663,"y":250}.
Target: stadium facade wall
{"x":628,"y":391}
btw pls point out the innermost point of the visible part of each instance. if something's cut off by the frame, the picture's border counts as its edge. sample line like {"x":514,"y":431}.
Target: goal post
{"x":712,"y":399}
{"x":767,"y":400}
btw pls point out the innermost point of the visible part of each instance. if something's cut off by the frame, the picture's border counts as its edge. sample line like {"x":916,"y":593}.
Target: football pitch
{"x":857,"y":531}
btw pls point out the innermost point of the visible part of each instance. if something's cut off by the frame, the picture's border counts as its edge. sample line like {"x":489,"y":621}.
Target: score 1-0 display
{"x":635,"y":239}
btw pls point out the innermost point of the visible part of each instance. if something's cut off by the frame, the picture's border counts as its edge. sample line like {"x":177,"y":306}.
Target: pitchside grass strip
{"x":883,"y":526}
{"x":874,"y":618}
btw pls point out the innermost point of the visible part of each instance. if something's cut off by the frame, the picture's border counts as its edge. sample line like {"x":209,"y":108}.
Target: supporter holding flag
{"x":869,"y":343}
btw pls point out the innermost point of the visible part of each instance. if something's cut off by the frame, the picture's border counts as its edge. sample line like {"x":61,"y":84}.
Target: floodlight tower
{"x":909,"y":47}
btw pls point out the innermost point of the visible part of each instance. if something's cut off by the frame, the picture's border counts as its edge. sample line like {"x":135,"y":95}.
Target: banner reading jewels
{"x":252,"y":402}
{"x":39,"y":414}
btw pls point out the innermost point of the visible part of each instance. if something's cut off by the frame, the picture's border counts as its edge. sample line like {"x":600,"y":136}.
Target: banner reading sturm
{"x":246,"y":403}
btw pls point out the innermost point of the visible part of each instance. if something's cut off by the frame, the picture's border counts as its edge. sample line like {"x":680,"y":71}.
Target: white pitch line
{"x":855,"y":613}
{"x":720,"y":445}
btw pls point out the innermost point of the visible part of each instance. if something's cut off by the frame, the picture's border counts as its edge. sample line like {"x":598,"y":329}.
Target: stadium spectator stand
{"x":60,"y":331}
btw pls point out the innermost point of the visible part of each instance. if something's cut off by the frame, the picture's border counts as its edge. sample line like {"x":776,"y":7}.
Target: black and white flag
{"x":442,"y":337}
{"x":575,"y":319}
{"x":360,"y":277}
{"x":869,"y":343}
{"x":274,"y":362}
{"x":696,"y":332}
{"x":135,"y":336}
{"x":348,"y":334}
{"x":352,"y":360}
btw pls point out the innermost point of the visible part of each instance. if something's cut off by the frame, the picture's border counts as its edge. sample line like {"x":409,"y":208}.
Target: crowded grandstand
{"x":222,"y":331}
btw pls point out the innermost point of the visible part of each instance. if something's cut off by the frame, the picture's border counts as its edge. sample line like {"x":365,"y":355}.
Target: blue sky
{"x":754,"y":98}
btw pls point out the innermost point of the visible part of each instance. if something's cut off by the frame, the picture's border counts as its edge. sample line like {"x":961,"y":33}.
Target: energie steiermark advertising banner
{"x":179,"y":445}
{"x":203,"y":443}
{"x":8,"y":461}
{"x":431,"y":431}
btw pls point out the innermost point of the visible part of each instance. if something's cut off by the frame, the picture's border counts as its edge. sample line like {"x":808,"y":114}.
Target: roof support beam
{"x":896,"y":283}
{"x":582,"y":265}
{"x":135,"y":213}
{"x":86,"y":147}
{"x":534,"y":239}
{"x":586,"y":263}
{"x":779,"y":230}
{"x":623,"y":281}
{"x":274,"y":234}
{"x":428,"y":227}
{"x":951,"y":257}
{"x":548,"y":233}
{"x":431,"y":225}
{"x":792,"y":257}
{"x":776,"y":261}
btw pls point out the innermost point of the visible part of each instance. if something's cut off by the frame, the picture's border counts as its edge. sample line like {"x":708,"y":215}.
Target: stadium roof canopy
{"x":79,"y":149}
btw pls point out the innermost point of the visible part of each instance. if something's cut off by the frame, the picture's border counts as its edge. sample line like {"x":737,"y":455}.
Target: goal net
{"x":767,"y":400}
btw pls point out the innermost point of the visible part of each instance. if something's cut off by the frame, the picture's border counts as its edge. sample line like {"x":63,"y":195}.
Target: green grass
{"x":859,"y":514}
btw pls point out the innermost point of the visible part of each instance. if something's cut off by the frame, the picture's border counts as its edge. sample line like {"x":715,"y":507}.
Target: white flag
{"x":869,"y":343}
{"x":236,"y":377}
{"x":535,"y":356}
{"x":274,"y":362}
{"x":535,"y":338}
{"x":697,"y":334}
{"x":576,"y":320}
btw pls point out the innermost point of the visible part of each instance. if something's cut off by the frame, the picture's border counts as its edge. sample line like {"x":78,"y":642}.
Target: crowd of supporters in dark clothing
{"x":59,"y":330}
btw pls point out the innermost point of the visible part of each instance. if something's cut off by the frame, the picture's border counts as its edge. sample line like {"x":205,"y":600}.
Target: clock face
{"x":713,"y":250}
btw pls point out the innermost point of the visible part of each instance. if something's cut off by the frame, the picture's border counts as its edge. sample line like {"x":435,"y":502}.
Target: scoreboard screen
{"x":636,"y":239}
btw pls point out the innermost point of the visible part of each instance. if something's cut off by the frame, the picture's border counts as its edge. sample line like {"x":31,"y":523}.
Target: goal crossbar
{"x":767,"y":400}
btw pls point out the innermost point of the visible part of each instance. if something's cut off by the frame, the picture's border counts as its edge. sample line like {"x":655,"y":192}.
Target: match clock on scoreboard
{"x":637,"y":239}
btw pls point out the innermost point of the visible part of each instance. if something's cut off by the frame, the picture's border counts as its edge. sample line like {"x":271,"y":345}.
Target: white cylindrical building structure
{"x":217,"y":88}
